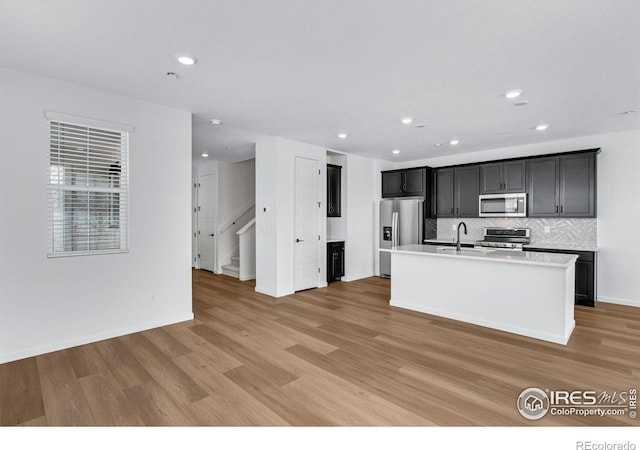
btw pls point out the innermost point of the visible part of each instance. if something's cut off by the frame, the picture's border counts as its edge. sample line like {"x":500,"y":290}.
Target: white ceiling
{"x":308,"y":69}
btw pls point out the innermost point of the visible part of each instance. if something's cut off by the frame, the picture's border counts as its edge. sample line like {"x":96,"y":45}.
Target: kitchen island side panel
{"x":531,"y":300}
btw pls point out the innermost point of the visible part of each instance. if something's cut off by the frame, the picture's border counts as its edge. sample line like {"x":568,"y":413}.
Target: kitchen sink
{"x":468,"y":249}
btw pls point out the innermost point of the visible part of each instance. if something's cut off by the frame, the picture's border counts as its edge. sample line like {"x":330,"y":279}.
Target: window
{"x":88,"y":189}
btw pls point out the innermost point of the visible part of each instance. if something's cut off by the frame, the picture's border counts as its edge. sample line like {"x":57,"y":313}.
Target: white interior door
{"x":194,"y":222}
{"x":306,"y":227}
{"x":206,"y":231}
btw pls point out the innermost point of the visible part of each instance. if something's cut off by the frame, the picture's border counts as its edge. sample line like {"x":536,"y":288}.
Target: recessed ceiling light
{"x":395,"y":151}
{"x":216,"y":122}
{"x":407,"y":120}
{"x":187,"y":60}
{"x":172,"y":75}
{"x":205,"y":155}
{"x":542,"y":126}
{"x":421,"y":125}
{"x":513,"y":93}
{"x":454,"y":142}
{"x":228,"y":147}
{"x":627,"y":113}
{"x":342,"y":135}
{"x":438,"y":144}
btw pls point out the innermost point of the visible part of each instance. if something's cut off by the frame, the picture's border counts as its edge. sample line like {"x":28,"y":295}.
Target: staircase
{"x":243,"y":266}
{"x":232,"y":269}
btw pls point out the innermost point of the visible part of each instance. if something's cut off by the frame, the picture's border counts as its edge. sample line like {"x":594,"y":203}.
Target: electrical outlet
{"x":547,"y":229}
{"x":453,"y":227}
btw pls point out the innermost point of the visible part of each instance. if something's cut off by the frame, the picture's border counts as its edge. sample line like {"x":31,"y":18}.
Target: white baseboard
{"x":271,"y":293}
{"x":62,"y":345}
{"x":358,"y":277}
{"x":620,"y":301}
{"x":259,"y":290}
{"x":555,"y":338}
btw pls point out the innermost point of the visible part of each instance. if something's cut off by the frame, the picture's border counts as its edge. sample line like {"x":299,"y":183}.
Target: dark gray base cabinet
{"x":585,"y":287}
{"x":335,"y":261}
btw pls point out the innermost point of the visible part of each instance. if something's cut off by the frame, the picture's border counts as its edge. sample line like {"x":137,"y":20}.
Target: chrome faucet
{"x":465,"y":232}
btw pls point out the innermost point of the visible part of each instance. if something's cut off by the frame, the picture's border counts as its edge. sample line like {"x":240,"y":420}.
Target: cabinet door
{"x":392,"y":184}
{"x":413,"y":182}
{"x":466,"y":191}
{"x":340,"y":268}
{"x":577,"y":186}
{"x":444,"y":193}
{"x":542,"y":176}
{"x":334,"y":175}
{"x":491,"y":178}
{"x":514,"y":176}
{"x":584,"y":286}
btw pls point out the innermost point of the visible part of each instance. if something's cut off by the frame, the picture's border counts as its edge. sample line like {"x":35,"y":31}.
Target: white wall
{"x":618,"y":167}
{"x":49,"y":304}
{"x":275,"y":182}
{"x":361,"y":217}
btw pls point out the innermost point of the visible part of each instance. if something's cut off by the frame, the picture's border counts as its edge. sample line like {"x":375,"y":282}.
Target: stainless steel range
{"x":505,"y":238}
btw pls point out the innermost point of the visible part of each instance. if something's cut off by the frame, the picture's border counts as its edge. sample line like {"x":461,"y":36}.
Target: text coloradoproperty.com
{"x":588,"y":445}
{"x":572,"y":410}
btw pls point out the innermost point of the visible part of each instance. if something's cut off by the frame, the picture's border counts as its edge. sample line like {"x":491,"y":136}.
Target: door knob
{"x":299,"y":240}
{"x":211,"y":234}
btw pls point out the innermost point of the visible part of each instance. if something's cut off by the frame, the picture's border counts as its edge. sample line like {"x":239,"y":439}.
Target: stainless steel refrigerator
{"x":401,"y":222}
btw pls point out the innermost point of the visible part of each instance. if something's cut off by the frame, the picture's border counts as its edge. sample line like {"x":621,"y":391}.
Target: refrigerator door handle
{"x":395,"y":238}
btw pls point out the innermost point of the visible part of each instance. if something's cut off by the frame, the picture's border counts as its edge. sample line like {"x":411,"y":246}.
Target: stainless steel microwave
{"x":503,"y":205}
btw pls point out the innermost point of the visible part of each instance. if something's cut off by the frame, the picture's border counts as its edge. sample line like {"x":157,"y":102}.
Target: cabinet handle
{"x":457,"y":210}
{"x":451,"y":210}
{"x":556,"y":208}
{"x":561,"y":209}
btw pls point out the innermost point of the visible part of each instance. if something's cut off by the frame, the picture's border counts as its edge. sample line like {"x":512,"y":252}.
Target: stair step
{"x":235,"y":260}
{"x":231,"y":270}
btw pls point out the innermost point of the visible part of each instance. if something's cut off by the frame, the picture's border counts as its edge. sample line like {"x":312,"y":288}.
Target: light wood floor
{"x":334,"y":356}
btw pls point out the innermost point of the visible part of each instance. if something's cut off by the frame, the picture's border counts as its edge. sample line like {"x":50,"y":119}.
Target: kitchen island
{"x":526,"y":293}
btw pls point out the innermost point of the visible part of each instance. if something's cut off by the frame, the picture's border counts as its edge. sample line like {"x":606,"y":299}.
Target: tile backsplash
{"x":571,"y":234}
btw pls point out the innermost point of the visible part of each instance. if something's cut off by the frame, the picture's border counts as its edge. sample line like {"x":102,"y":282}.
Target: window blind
{"x":87,"y":190}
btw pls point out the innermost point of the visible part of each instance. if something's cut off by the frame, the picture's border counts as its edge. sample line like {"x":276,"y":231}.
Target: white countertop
{"x":444,"y":242}
{"x":330,"y":240}
{"x":534,"y":258}
{"x":569,"y":247}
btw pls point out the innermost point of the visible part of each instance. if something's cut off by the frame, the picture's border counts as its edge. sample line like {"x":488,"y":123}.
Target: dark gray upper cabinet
{"x":392,"y":184}
{"x":502,"y":177}
{"x":562,"y":186}
{"x":443,"y":183}
{"x":543,"y":187}
{"x":577,"y":185}
{"x":466,"y":191}
{"x":334,"y":191}
{"x":457,"y":191}
{"x":404,"y":183}
{"x":414,"y":182}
